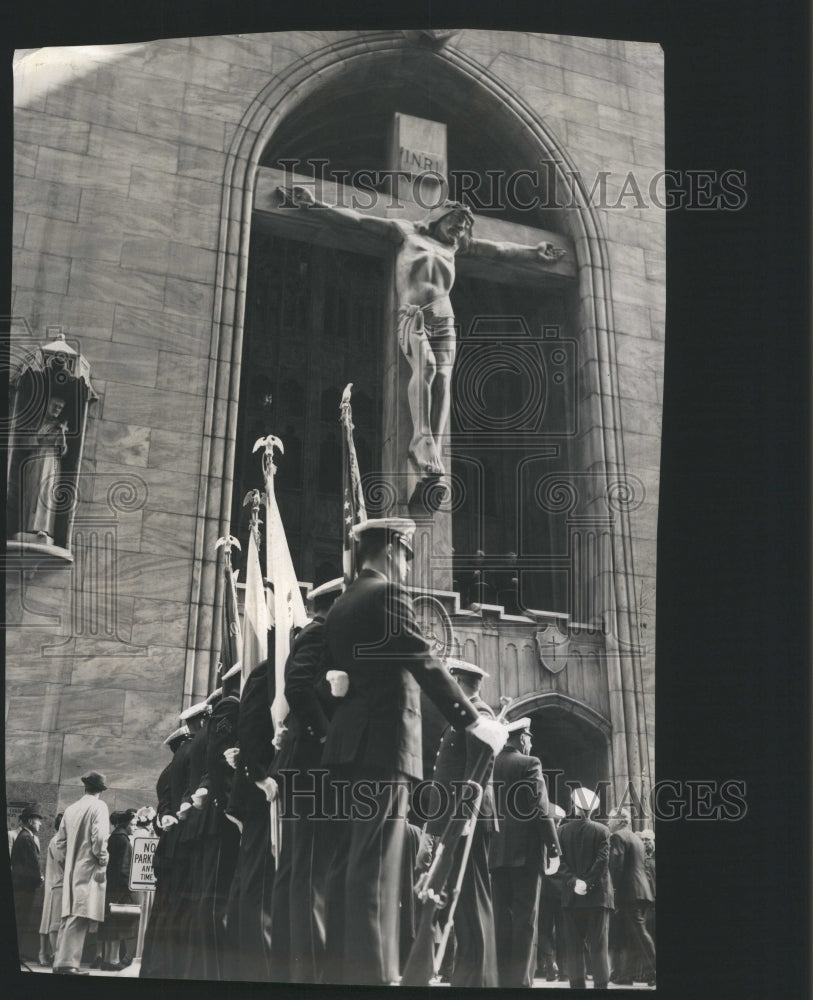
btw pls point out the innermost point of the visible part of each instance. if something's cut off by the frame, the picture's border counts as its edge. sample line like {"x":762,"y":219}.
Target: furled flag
{"x":231,"y":636}
{"x":353,"y":507}
{"x":255,"y":615}
{"x":288,"y":606}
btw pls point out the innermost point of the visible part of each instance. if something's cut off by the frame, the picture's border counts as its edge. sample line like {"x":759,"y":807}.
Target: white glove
{"x":199,"y":797}
{"x":282,"y":729}
{"x":234,"y":820}
{"x":339,"y":682}
{"x":231,"y":756}
{"x":167,"y":821}
{"x":185,"y":807}
{"x":268,"y":787}
{"x":489,"y":731}
{"x":580,"y":888}
{"x":552,"y":867}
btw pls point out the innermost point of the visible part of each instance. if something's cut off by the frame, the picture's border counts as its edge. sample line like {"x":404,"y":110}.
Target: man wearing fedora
{"x":81,"y":846}
{"x":27,"y":880}
{"x":374,"y":743}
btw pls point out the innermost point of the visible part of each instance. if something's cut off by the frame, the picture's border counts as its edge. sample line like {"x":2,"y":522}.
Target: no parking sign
{"x":142,"y":875}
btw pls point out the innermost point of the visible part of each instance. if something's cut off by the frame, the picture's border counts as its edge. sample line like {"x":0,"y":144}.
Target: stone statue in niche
{"x":424,"y":276}
{"x":41,"y":466}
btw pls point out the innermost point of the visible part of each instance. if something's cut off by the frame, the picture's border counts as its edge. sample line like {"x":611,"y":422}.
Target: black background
{"x":732,"y":601}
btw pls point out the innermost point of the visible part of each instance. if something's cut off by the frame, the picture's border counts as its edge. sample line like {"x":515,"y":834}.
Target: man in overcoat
{"x":526,"y":836}
{"x":26,"y":878}
{"x":374,"y":743}
{"x":633,"y":897}
{"x":81,"y":846}
{"x":587,"y":893}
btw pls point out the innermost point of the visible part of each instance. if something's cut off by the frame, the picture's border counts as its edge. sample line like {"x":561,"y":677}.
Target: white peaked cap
{"x":326,"y":588}
{"x":403,"y":527}
{"x":585,"y":799}
{"x":463,"y":666}
{"x":193,"y":710}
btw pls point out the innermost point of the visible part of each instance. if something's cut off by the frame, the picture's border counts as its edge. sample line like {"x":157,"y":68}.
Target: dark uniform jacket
{"x":222,"y":730}
{"x":372,"y":634}
{"x":522,"y":808}
{"x":194,"y":768}
{"x":25,"y":861}
{"x":311,"y":705}
{"x":585,"y":856}
{"x":455,"y":760}
{"x":255,"y":734}
{"x":628,"y":868}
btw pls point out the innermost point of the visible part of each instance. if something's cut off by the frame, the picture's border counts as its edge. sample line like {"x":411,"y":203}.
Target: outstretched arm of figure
{"x":394,"y":230}
{"x":543,"y":253}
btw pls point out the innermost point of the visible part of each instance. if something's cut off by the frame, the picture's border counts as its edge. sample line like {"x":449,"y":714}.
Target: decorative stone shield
{"x":435,"y":623}
{"x":553,"y":648}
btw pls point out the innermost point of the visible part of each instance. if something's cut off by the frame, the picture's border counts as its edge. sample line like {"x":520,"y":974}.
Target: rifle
{"x":423,"y":963}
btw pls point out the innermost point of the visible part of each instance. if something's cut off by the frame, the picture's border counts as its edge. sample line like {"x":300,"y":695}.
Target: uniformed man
{"x":248,"y":810}
{"x":188,"y":766}
{"x":154,"y":960}
{"x":551,"y":963}
{"x":475,"y":959}
{"x":298,"y":909}
{"x":374,"y":742}
{"x":526,"y":837}
{"x":217,"y":839}
{"x":587,"y":893}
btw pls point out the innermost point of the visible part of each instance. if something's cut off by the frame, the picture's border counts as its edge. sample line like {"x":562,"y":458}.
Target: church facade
{"x":168,"y":292}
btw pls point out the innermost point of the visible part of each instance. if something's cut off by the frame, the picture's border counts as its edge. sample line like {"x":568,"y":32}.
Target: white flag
{"x":288,"y":610}
{"x":255,"y":616}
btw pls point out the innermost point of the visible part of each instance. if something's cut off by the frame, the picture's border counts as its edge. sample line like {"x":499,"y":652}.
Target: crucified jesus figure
{"x":424,"y":276}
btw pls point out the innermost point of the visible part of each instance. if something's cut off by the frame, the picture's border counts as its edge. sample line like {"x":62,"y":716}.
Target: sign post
{"x":142,"y":879}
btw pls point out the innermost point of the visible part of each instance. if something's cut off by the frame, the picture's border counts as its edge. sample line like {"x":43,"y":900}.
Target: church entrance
{"x":573,"y":752}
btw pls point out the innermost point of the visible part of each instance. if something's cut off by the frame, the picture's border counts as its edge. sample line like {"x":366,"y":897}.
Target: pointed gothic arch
{"x":358,"y":62}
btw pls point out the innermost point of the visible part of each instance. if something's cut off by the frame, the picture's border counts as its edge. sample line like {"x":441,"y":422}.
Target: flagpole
{"x":354,"y":509}
{"x":232,"y":641}
{"x":289,"y":608}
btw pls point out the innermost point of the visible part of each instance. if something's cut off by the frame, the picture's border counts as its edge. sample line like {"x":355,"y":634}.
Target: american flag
{"x":353,"y":508}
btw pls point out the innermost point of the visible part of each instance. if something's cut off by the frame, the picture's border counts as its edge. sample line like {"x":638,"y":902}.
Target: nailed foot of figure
{"x":423,"y":454}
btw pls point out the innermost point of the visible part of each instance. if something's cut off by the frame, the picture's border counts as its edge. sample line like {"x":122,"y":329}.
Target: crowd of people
{"x":85,"y":886}
{"x":294,"y":856}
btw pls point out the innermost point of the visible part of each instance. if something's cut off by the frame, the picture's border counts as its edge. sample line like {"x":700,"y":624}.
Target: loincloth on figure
{"x":434,"y":321}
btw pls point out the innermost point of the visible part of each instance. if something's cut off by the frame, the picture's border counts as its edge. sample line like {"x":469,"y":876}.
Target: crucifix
{"x":424,"y":276}
{"x":426,"y":247}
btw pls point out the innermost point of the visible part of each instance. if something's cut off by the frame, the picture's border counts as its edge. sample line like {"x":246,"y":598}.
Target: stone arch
{"x":360,"y":56}
{"x":572,"y":716}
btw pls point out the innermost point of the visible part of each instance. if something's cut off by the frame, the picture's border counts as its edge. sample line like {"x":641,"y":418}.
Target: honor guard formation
{"x":316,"y":849}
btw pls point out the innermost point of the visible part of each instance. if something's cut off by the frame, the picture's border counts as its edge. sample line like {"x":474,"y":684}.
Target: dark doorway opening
{"x":573,"y":752}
